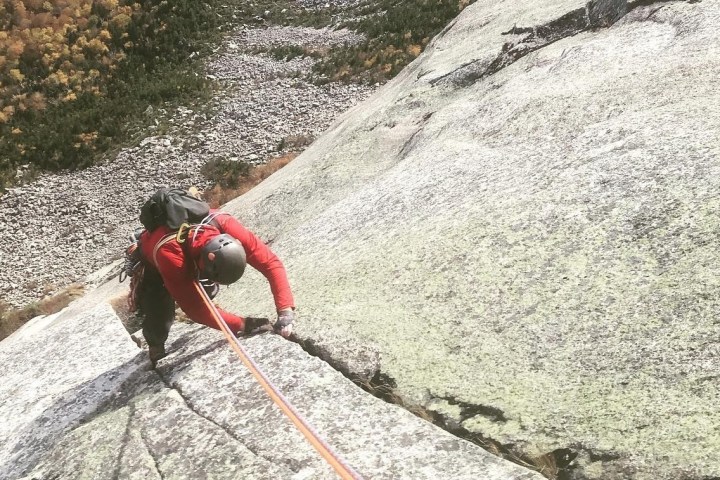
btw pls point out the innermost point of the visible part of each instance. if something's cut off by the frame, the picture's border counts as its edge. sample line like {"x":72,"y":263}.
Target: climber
{"x":179,"y":253}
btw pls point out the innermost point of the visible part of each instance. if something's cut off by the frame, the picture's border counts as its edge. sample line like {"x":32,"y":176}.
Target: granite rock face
{"x":519,"y":233}
{"x":522,"y":229}
{"x":78,"y":400}
{"x":57,"y":371}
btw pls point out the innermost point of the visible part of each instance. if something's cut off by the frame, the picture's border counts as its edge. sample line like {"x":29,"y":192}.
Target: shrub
{"x":295,"y":142}
{"x":226,"y":173}
{"x":219,"y":195}
{"x":288,"y":52}
{"x":283,"y":12}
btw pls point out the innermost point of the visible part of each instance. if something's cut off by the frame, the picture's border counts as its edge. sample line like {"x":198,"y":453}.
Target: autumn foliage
{"x":72,"y":71}
{"x":50,"y":51}
{"x":77,"y":75}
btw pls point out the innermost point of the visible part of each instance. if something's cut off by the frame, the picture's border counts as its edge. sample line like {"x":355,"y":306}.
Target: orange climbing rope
{"x":341,"y":468}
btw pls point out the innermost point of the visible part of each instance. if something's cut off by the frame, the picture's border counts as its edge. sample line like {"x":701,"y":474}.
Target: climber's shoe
{"x":156,"y":353}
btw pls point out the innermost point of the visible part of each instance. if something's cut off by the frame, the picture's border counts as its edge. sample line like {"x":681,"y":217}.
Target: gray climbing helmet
{"x":222,"y":260}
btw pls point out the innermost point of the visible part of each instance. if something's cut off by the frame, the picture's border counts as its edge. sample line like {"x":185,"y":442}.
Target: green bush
{"x":282,"y":12}
{"x":226,"y":173}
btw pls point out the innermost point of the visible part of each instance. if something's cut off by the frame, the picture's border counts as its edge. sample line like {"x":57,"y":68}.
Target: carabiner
{"x":182,"y":233}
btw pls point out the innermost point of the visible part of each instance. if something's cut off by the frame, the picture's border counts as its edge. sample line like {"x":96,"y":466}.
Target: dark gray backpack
{"x":172,"y":207}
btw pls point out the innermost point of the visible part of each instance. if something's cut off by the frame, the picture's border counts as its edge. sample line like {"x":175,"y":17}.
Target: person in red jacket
{"x":214,"y":252}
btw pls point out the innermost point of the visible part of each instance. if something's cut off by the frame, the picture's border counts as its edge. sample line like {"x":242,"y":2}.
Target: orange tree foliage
{"x":50,"y":51}
{"x":73,"y":71}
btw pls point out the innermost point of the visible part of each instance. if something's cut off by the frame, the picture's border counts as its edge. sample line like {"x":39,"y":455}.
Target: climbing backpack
{"x":172,"y":207}
{"x":177,"y":209}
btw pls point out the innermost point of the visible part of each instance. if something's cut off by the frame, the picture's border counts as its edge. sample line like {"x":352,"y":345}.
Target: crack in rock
{"x":150,"y":453}
{"x":409,"y":144}
{"x":469,"y":410}
{"x":384,"y":387}
{"x":598,"y":456}
{"x":192,"y":408}
{"x":343,"y":361}
{"x":290,"y":465}
{"x":412,"y":140}
{"x":125,"y":441}
{"x":595,"y":14}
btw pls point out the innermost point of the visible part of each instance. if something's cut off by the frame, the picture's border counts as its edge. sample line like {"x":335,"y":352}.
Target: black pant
{"x":156,"y":307}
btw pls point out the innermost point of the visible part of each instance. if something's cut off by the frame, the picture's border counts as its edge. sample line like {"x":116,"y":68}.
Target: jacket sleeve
{"x":261,"y":258}
{"x":180,"y":281}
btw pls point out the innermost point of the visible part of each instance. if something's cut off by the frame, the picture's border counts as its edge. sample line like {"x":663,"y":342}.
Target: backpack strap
{"x":167,"y":238}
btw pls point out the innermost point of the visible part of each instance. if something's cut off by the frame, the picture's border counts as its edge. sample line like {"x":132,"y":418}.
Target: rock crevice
{"x":189,"y":404}
{"x":384,"y":387}
{"x":152,"y":456}
{"x":527,"y":39}
{"x":469,"y":410}
{"x":124,"y":442}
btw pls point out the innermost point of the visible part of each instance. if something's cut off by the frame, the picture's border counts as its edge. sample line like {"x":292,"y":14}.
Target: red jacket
{"x":177,"y":266}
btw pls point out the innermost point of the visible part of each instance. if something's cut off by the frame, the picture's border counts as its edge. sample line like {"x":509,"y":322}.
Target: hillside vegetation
{"x":72,"y":72}
{"x":397,"y":32}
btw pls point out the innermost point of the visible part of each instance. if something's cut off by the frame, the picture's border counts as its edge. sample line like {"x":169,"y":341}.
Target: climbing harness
{"x":338,"y":464}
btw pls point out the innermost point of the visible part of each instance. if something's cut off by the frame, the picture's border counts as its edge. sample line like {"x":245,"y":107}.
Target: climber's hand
{"x":284,"y":324}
